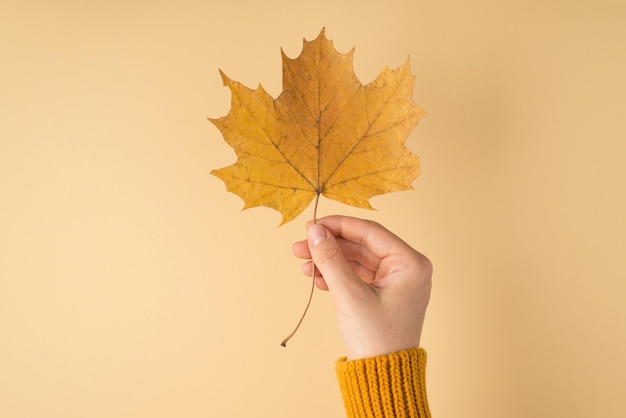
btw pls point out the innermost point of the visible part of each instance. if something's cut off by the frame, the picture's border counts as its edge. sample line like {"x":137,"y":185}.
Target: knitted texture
{"x":389,"y":386}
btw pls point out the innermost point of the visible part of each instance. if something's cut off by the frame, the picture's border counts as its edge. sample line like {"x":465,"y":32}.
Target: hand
{"x":379,"y":284}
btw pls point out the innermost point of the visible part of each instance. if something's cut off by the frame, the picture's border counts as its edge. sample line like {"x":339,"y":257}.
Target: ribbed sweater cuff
{"x":389,"y":386}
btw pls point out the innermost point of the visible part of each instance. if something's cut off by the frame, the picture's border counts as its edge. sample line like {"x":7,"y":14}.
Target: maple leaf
{"x":326,"y":133}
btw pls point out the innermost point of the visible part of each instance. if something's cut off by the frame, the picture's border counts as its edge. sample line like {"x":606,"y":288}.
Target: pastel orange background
{"x":131,"y":284}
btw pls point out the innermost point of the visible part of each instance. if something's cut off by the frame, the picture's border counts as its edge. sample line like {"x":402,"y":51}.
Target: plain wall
{"x":131,"y":284}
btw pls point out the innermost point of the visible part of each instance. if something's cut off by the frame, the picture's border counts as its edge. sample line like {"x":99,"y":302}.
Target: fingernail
{"x":316,"y":233}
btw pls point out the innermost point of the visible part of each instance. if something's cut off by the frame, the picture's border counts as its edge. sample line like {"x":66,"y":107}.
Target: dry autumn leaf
{"x":325,"y":134}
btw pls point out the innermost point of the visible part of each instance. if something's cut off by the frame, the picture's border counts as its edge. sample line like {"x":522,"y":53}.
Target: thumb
{"x":330,"y":261}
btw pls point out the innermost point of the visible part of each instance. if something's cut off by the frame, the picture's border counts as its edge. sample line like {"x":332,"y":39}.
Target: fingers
{"x":353,"y":252}
{"x":330,"y":261}
{"x":301,"y":250}
{"x":377,"y":239}
{"x":365,"y":274}
{"x":364,"y":245}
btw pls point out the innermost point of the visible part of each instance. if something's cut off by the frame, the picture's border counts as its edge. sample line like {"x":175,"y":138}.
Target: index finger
{"x":372,"y":235}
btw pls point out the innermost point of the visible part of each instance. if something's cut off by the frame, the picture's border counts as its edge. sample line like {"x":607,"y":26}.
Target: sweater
{"x":387,"y":386}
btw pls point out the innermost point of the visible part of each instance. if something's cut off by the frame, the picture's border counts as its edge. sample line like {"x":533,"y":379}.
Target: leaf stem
{"x":284,"y":342}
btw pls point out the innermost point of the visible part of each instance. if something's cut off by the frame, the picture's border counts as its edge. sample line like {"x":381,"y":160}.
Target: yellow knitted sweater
{"x":389,"y":386}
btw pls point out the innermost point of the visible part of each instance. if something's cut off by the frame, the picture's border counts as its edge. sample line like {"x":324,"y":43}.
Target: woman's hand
{"x":379,"y":284}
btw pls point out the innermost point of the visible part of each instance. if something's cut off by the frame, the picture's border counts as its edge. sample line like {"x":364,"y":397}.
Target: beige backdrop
{"x":131,"y":284}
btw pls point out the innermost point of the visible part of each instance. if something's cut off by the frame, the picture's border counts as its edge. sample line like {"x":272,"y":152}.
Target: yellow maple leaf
{"x":325,"y":134}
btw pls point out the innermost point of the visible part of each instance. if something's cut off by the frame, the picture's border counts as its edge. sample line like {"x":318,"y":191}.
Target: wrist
{"x":369,"y":345}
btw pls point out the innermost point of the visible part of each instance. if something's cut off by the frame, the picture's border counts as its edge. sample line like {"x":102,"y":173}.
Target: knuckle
{"x":329,"y":255}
